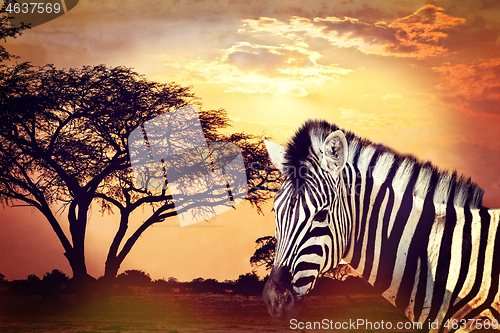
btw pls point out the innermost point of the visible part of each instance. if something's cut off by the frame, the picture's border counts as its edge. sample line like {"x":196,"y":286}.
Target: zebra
{"x":419,"y":235}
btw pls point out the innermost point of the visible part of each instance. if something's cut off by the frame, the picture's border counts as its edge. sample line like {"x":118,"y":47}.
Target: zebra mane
{"x":310,"y":137}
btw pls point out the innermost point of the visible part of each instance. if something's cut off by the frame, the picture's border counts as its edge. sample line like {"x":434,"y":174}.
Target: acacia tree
{"x":63,"y":139}
{"x":264,"y":254}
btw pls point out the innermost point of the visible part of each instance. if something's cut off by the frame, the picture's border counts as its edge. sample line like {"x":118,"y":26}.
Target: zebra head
{"x":308,"y":208}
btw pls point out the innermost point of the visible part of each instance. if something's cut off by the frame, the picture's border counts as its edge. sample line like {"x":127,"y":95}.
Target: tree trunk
{"x":105,"y":285}
{"x":82,"y":282}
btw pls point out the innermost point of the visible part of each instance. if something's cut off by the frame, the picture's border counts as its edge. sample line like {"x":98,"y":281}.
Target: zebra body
{"x":421,"y":237}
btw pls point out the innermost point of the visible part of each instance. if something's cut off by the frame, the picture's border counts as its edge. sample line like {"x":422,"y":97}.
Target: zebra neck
{"x":417,"y":238}
{"x":384,"y":190}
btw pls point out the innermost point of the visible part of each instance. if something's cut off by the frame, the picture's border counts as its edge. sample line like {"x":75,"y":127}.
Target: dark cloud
{"x":473,"y":40}
{"x":373,"y":15}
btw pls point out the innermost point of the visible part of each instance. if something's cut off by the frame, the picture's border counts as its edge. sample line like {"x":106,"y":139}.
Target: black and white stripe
{"x":420,"y":236}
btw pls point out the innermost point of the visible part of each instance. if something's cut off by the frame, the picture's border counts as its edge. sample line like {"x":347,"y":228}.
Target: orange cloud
{"x":423,"y":30}
{"x":417,"y":35}
{"x":473,"y":88}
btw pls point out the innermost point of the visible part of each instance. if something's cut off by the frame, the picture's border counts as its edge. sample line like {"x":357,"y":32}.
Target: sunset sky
{"x":422,"y":77}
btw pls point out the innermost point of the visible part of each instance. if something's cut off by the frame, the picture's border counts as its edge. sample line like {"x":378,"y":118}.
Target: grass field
{"x":186,"y":313}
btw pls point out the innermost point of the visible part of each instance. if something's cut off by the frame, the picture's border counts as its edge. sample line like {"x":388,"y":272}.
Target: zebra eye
{"x":321,"y":215}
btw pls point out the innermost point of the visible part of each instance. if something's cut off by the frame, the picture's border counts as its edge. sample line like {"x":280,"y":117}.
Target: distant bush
{"x":248,"y":284}
{"x":51,"y":286}
{"x":4,"y":284}
{"x":200,"y":285}
{"x":30,"y":286}
{"x":163,"y":287}
{"x":34,"y":285}
{"x":134,"y":277}
{"x":53,"y":283}
{"x":56,"y":282}
{"x":196,"y":286}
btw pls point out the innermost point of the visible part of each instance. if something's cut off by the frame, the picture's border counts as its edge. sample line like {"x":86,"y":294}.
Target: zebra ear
{"x":335,"y":151}
{"x":276,"y":154}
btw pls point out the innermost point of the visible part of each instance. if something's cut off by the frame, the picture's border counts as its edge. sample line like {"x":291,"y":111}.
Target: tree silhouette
{"x":134,"y":277}
{"x":63,"y":140}
{"x":248,"y":284}
{"x":264,"y":254}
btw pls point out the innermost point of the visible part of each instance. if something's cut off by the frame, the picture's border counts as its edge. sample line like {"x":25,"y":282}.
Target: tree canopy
{"x":63,"y":138}
{"x":264,"y":254}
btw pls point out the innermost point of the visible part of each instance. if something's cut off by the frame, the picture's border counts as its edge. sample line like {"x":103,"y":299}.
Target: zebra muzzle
{"x":281,"y":300}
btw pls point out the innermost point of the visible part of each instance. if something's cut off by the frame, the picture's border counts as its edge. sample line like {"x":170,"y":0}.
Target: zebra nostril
{"x":289,"y":301}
